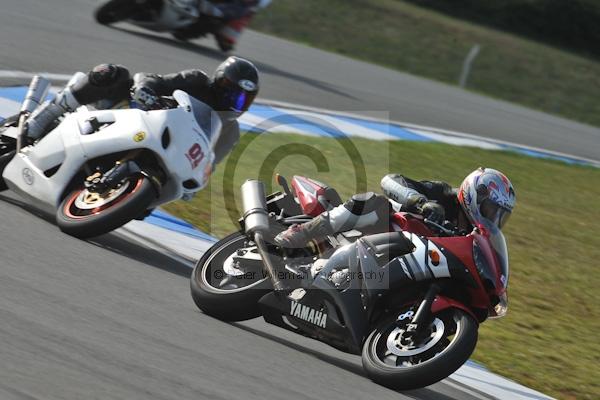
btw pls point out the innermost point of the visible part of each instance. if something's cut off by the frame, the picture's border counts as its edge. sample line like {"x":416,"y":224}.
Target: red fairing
{"x":309,"y":193}
{"x":462,"y":248}
{"x":441,"y":303}
{"x":410,"y":223}
{"x":492,"y":260}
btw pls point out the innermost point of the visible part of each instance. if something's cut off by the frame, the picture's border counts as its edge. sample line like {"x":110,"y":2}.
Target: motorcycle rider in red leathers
{"x":485,"y":193}
{"x":238,"y":14}
{"x":235,"y":16}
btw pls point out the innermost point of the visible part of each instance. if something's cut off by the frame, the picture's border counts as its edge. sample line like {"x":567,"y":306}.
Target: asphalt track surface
{"x":61,"y":36}
{"x":108,"y":319}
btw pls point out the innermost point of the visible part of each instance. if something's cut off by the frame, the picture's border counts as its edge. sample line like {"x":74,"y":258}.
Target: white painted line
{"x":28,"y":75}
{"x":11,"y":107}
{"x":446,"y":132}
{"x":256,"y":120}
{"x":341,"y":125}
{"x":456,"y":140}
{"x":277,"y":103}
{"x":468,"y":391}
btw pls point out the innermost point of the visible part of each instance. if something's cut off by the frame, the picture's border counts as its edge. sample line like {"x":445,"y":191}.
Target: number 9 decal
{"x":195,"y":155}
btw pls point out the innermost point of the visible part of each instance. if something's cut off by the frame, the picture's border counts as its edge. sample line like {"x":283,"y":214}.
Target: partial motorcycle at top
{"x":410,"y":300}
{"x":99,"y":169}
{"x":185,"y":19}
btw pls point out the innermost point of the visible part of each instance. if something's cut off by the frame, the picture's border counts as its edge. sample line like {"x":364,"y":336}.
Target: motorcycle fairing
{"x":347,"y":319}
{"x":72,"y":143}
{"x":349,"y":308}
{"x":314,"y":197}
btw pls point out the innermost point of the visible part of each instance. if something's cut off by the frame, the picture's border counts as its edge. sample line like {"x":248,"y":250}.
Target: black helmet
{"x":236,"y":84}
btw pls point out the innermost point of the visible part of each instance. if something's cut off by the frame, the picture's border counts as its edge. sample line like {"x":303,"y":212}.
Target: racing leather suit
{"x":108,"y":84}
{"x":371,"y":213}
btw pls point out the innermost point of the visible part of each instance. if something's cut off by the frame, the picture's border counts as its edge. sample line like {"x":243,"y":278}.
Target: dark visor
{"x":494,"y":212}
{"x":233,"y":97}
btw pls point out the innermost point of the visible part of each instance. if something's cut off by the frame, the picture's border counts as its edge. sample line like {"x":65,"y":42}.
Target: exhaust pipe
{"x":256,"y":222}
{"x":38,"y":89}
{"x":256,"y":218}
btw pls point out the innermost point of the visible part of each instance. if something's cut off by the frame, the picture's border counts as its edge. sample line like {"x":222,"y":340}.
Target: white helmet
{"x":487,"y":196}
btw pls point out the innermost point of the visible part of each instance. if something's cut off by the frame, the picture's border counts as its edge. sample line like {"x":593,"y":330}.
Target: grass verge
{"x":548,"y":341}
{"x":426,"y":43}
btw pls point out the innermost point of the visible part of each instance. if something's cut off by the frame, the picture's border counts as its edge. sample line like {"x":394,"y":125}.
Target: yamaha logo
{"x":28,"y":176}
{"x":247,"y":85}
{"x":308,"y":314}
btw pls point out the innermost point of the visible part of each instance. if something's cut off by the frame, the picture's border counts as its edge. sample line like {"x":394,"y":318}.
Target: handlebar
{"x":439,"y":228}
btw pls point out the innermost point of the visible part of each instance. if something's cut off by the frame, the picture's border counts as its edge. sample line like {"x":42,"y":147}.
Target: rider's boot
{"x":298,"y":236}
{"x":43,"y":117}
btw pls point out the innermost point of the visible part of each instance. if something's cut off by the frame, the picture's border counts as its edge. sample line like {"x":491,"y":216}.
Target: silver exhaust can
{"x":256,"y":217}
{"x":38,"y":89}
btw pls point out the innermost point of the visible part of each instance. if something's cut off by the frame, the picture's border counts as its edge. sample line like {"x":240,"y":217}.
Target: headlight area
{"x":501,"y":308}
{"x":488,"y":276}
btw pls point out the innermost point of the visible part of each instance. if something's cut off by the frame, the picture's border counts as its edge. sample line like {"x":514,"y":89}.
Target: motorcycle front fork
{"x":421,"y":318}
{"x":101,"y":182}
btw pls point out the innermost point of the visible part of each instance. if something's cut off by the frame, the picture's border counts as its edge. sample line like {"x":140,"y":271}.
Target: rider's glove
{"x":432,"y":211}
{"x":145,"y":97}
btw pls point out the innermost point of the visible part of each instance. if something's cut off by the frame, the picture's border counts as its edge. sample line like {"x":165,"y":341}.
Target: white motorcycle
{"x":184,"y":19}
{"x":99,"y":169}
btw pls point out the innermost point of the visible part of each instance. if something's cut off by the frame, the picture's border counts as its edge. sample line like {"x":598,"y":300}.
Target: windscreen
{"x":498,"y":243}
{"x":207,"y":118}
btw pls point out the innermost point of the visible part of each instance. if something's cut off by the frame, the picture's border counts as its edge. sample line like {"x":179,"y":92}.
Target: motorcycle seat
{"x":332,"y":196}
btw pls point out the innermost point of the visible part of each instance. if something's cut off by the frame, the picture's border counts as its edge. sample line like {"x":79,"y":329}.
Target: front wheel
{"x":84,"y":213}
{"x":393,"y":358}
{"x":7,"y":148}
{"x":114,"y":11}
{"x":228,"y":280}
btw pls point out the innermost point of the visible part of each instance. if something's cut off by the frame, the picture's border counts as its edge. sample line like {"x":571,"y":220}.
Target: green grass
{"x":423,"y":42}
{"x":549,"y":340}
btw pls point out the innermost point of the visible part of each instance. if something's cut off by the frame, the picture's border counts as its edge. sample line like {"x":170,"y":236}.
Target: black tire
{"x":4,"y":160}
{"x":236,"y":304}
{"x":443,"y":362}
{"x":84,"y":223}
{"x":7,"y":148}
{"x":115,"y":11}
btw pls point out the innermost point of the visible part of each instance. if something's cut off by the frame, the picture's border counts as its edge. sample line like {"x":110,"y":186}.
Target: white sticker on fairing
{"x":423,"y":259}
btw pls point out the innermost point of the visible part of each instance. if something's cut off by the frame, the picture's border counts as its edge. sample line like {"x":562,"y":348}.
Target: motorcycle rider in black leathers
{"x":230,"y":92}
{"x":485,"y":193}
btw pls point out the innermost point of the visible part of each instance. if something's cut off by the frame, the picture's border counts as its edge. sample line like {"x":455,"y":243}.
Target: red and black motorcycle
{"x":409,"y":300}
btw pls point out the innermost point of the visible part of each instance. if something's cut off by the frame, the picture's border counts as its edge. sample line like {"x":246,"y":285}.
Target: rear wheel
{"x":228,"y":280}
{"x":393,"y":358}
{"x":114,"y":11}
{"x":84,"y":213}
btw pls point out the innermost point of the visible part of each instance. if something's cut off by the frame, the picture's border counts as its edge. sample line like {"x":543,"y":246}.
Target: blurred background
{"x":520,"y":71}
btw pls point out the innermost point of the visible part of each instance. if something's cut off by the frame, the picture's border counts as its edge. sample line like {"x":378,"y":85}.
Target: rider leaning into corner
{"x":485,"y":193}
{"x":237,"y":14}
{"x":230,"y":92}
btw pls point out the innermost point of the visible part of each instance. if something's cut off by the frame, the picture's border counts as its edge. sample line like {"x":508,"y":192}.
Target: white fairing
{"x":188,"y":156}
{"x":173,"y":15}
